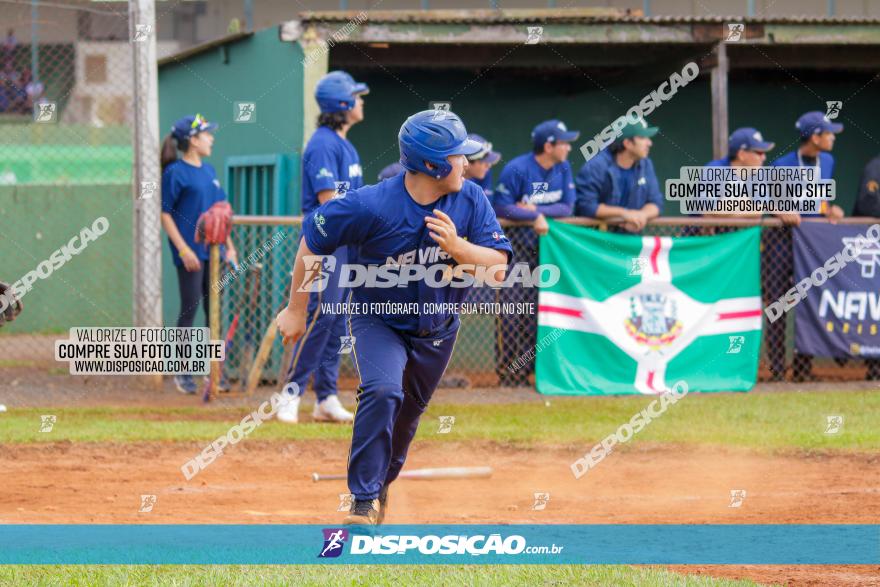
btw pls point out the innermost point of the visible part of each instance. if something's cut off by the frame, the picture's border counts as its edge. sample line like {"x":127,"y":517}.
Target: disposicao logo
{"x":334,"y":541}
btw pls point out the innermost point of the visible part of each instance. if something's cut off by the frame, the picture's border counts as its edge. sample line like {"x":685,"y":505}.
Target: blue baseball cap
{"x":390,"y":171}
{"x":816,"y":122}
{"x":190,"y":126}
{"x":552,"y":131}
{"x":486,"y":154}
{"x":747,"y":138}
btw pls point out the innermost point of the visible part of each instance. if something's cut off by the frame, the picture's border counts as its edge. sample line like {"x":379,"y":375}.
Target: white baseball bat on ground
{"x":426,"y":474}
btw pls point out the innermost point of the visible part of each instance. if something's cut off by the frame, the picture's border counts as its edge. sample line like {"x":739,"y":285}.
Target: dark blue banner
{"x":840,"y":313}
{"x":783,"y":544}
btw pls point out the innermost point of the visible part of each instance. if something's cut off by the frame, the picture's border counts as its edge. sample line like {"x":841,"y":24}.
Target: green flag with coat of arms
{"x":634,"y":314}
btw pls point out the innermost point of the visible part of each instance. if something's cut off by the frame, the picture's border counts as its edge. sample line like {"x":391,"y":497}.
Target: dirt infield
{"x":269,"y":482}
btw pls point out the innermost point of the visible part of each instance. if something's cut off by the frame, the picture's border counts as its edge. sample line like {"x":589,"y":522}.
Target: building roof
{"x":559,"y":16}
{"x":203,"y":47}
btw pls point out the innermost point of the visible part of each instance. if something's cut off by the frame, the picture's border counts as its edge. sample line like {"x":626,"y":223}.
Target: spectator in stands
{"x":8,"y":50}
{"x":620,"y":181}
{"x":34,"y":91}
{"x":817,"y":136}
{"x":14,"y":97}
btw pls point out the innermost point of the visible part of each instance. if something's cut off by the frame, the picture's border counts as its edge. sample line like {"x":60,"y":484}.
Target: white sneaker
{"x":330,"y":410}
{"x":288,"y":409}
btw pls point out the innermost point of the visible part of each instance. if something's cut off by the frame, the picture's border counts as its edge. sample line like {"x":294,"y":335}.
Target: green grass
{"x":18,"y":363}
{"x":349,"y":575}
{"x":766,"y":421}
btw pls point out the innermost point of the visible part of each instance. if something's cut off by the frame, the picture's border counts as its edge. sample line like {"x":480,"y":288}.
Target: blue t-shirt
{"x":599,"y":183}
{"x":825,"y":163}
{"x":486,"y":184}
{"x":187,"y":192}
{"x":383,"y":225}
{"x":328,"y":158}
{"x":624,"y":180}
{"x":723,"y":162}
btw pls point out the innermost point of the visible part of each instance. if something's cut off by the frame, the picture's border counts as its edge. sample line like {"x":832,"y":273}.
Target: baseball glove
{"x":10,"y":306}
{"x":214,"y":226}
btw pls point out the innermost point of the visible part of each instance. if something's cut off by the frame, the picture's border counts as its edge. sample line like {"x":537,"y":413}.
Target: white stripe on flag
{"x":734,"y":315}
{"x":568,"y":312}
{"x":572,"y":313}
{"x":650,"y":379}
{"x":656,"y":250}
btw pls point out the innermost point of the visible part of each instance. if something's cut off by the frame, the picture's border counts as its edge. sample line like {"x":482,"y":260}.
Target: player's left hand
{"x":443,"y":231}
{"x":634,"y":220}
{"x":789,"y":219}
{"x":232,"y":256}
{"x":834,"y":214}
{"x":540,"y":225}
{"x":291,"y":324}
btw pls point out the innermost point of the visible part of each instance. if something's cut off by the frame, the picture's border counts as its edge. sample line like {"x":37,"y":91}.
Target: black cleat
{"x":383,"y":504}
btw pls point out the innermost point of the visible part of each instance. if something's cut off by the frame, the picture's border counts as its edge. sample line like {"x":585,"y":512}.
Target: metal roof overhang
{"x":583,"y":37}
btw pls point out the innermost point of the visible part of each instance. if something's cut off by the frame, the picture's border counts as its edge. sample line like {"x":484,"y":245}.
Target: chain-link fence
{"x":487,"y":343}
{"x":67,"y":210}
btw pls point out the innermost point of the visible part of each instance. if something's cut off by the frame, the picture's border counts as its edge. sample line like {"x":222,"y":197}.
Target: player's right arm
{"x":508,"y":192}
{"x":325,"y":195}
{"x":324,"y":171}
{"x":590,"y":180}
{"x":291,"y":321}
{"x":635,"y":219}
{"x":339,"y":222}
{"x":171,"y":189}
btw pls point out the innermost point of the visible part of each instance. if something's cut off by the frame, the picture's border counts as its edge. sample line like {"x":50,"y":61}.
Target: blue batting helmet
{"x":336,"y":92}
{"x":431,"y":136}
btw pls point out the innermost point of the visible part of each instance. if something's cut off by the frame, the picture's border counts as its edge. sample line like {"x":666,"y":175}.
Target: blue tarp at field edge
{"x":839,"y":317}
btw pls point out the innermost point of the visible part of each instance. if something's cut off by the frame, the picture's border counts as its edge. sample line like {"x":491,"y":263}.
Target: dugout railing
{"x":486,"y":344}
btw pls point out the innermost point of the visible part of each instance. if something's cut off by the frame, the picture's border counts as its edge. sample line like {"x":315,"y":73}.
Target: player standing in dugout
{"x":400,"y":358}
{"x":331,"y":166}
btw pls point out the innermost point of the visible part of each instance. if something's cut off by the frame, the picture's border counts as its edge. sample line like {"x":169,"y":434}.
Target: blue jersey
{"x":486,"y":184}
{"x":723,"y":162}
{"x":187,"y":192}
{"x":383,"y":225}
{"x":328,"y":158}
{"x":825,"y":163}
{"x":524,"y":180}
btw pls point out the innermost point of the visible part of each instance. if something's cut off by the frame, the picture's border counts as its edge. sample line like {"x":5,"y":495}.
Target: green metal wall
{"x":93,"y":288}
{"x":258,"y":69}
